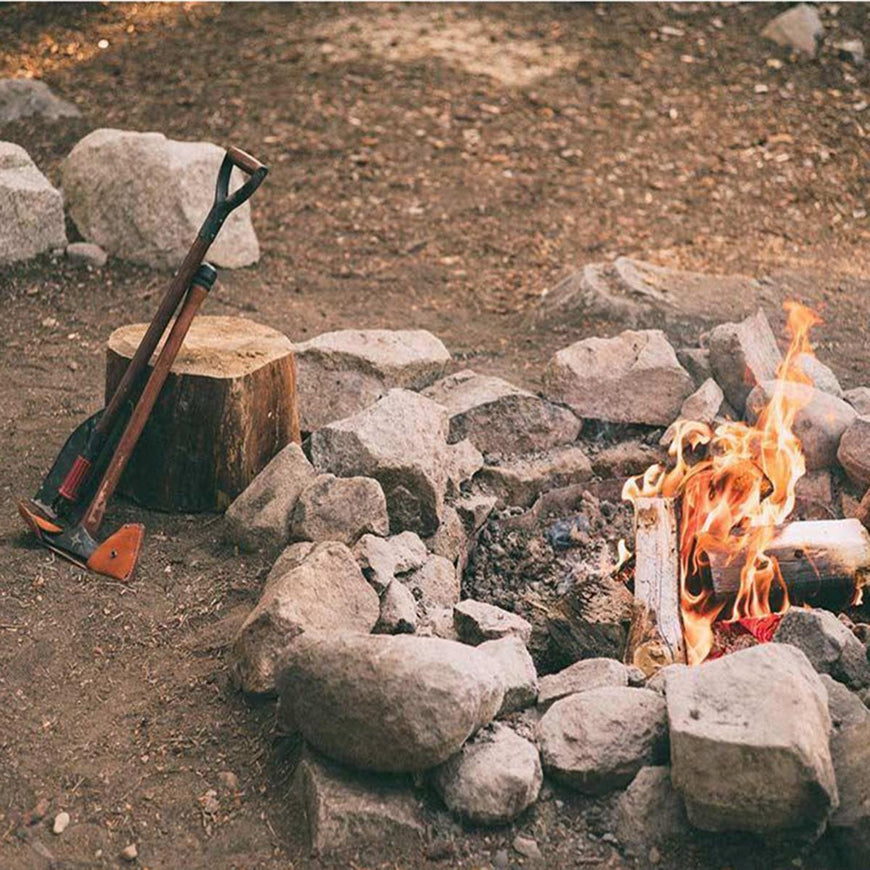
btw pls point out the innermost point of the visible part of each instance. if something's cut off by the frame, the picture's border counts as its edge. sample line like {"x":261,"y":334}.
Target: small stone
{"x":476,"y":622}
{"x":516,"y":669}
{"x":435,"y":584}
{"x":582,"y":676}
{"x":398,"y":610}
{"x":851,"y":50}
{"x":527,"y":847}
{"x":130,"y":853}
{"x":451,"y":539}
{"x":854,"y":451}
{"x":381,"y":559}
{"x":87,"y":253}
{"x":859,"y":399}
{"x":798,"y":28}
{"x":61,"y":822}
{"x":31,"y":98}
{"x":473,"y":511}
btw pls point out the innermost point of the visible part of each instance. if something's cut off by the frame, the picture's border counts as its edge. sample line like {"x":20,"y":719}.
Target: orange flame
{"x":731,"y":499}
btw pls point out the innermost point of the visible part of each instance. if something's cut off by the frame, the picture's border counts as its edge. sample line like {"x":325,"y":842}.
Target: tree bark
{"x":228,"y":406}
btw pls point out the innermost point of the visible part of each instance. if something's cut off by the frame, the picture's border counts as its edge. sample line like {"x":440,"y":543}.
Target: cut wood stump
{"x":228,"y":406}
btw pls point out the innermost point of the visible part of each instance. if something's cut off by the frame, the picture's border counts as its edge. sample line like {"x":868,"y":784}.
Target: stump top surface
{"x":215,"y":347}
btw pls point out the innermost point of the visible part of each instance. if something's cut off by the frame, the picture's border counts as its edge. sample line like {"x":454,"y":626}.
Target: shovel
{"x":66,"y":512}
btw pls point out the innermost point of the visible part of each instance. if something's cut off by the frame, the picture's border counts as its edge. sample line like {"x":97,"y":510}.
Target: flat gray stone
{"x":31,"y":98}
{"x":348,"y":809}
{"x":476,"y":621}
{"x":341,"y":373}
{"x":401,"y":441}
{"x":632,"y":378}
{"x":598,"y":740}
{"x":743,"y":355}
{"x":492,"y":779}
{"x":341,"y":509}
{"x":582,"y":676}
{"x":498,"y":417}
{"x":260,"y":517}
{"x":749,"y":741}
{"x":142,"y":198}
{"x":31,"y":210}
{"x":798,"y":28}
{"x":325,"y":591}
{"x":387,"y":702}
{"x":87,"y":253}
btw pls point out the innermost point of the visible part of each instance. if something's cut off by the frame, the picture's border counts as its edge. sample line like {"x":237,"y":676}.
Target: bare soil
{"x":432,"y":167}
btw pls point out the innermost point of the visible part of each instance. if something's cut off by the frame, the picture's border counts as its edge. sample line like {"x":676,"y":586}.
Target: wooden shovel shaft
{"x":97,"y":508}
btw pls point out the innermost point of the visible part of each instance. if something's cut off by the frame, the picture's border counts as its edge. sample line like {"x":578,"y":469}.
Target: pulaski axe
{"x":66,"y":512}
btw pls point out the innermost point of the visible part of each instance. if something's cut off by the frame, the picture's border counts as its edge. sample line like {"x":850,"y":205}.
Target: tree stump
{"x":228,"y":406}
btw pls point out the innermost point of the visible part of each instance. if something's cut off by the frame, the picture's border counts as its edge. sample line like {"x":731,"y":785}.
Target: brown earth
{"x":434,"y":167}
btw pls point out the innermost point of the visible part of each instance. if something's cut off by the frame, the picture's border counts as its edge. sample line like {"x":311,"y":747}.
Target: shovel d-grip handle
{"x":224,"y":203}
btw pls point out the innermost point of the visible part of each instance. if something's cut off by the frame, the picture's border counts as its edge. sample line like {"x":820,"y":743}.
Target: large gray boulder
{"x":854,"y":451}
{"x":338,"y":374}
{"x":827,"y":643}
{"x":31,"y":98}
{"x":342,"y":509}
{"x":632,"y":378}
{"x":798,"y":28}
{"x":143,"y":197}
{"x":819,"y":423}
{"x":742,"y":355}
{"x":598,"y":740}
{"x":31,"y":210}
{"x":582,"y":676}
{"x":389,"y":703}
{"x":498,"y":417}
{"x":749,"y":741}
{"x":324,"y":591}
{"x":351,"y":810}
{"x":260,"y":517}
{"x":492,"y":779}
{"x":401,"y":441}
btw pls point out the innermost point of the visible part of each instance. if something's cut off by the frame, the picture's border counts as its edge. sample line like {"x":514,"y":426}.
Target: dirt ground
{"x":433,"y":167}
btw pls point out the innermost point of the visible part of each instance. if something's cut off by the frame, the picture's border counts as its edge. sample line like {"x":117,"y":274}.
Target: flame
{"x":623,"y":554}
{"x":732,"y":497}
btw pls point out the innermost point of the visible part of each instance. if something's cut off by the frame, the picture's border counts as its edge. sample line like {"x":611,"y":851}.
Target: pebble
{"x":500,"y":860}
{"x":228,"y":780}
{"x":528,"y":847}
{"x":61,"y":821}
{"x":654,"y":855}
{"x":130,"y":853}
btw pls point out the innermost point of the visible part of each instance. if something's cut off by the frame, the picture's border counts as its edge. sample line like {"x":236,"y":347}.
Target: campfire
{"x":716,"y":554}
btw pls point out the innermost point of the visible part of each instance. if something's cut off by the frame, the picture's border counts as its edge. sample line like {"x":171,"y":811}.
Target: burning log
{"x":655,"y":638}
{"x":822,"y":562}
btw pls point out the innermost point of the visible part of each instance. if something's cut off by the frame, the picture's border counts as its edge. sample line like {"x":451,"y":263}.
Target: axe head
{"x":115,"y":557}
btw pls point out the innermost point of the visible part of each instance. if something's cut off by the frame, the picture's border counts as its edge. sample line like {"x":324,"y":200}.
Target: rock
{"x":398,"y":610}
{"x":798,"y":28}
{"x":814,"y":496}
{"x":705,"y":404}
{"x":862,"y":512}
{"x":626,"y":458}
{"x":435,"y":584}
{"x":142,"y":197}
{"x":749,"y":741}
{"x":381,"y":559}
{"x":650,"y":812}
{"x":633,"y":378}
{"x":129,"y":853}
{"x":492,"y":779}
{"x":827,"y":643}
{"x":31,"y":98}
{"x":742,"y":355}
{"x":259,"y":519}
{"x":819,"y":424}
{"x":598,"y":740}
{"x":464,"y":460}
{"x":520,"y":481}
{"x":401,"y":442}
{"x":326,"y":591}
{"x":850,"y":752}
{"x":341,"y":373}
{"x":476,"y":622}
{"x":854,"y":451}
{"x":437,"y":622}
{"x":696,"y":361}
{"x":851,"y":50}
{"x":451,"y":539}
{"x":435,"y":693}
{"x":349,"y":809}
{"x":61,"y":822}
{"x":822,"y":377}
{"x":290,"y":557}
{"x":87,"y":253}
{"x":859,"y":399}
{"x":582,"y":676}
{"x":498,"y":417}
{"x":515,"y":667}
{"x":342,"y":509}
{"x":527,"y":847}
{"x":31,"y":210}
{"x":474,"y":510}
